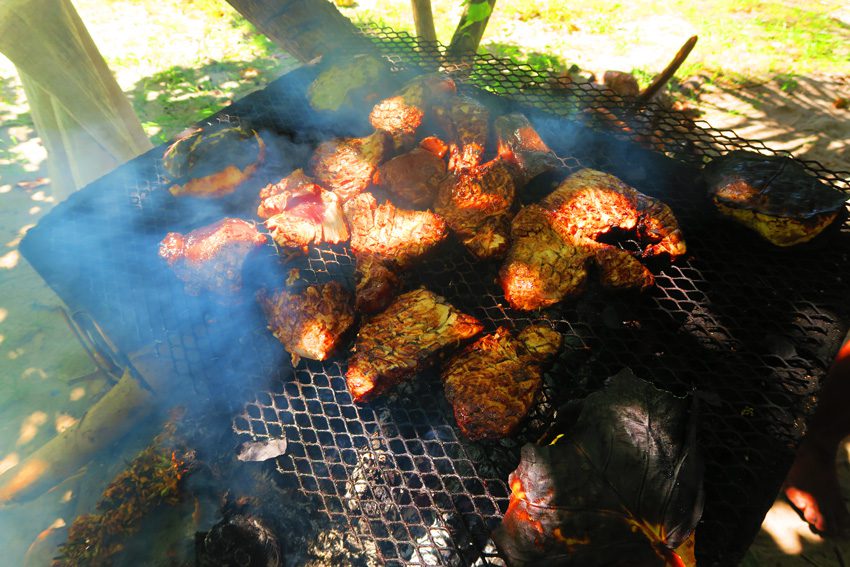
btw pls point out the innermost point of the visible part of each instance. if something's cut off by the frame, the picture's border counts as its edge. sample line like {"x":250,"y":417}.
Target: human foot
{"x":812,"y":487}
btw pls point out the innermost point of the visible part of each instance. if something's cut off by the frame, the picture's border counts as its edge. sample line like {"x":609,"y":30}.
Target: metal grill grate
{"x":750,"y":327}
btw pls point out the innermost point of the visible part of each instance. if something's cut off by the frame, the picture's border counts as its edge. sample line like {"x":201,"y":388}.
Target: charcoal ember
{"x":239,"y":541}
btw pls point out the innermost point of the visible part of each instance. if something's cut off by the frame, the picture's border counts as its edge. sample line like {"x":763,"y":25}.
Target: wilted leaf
{"x":622,"y":487}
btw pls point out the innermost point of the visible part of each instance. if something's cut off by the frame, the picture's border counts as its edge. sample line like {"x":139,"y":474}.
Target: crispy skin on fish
{"x":194,"y":161}
{"x":555,"y":242}
{"x":465,"y":121}
{"x":384,"y":240}
{"x":414,"y":176}
{"x":210,"y":258}
{"x":477,"y":204}
{"x":520,"y":143}
{"x":402,"y":114}
{"x":492,"y":383}
{"x":772,"y":195}
{"x":346,"y":165}
{"x":301,"y":213}
{"x":404,"y":339}
{"x":309,"y":324}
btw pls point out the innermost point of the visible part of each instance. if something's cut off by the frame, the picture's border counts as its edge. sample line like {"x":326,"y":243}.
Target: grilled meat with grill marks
{"x":415,"y":176}
{"x":301,"y":213}
{"x":493,"y":382}
{"x":402,"y":115}
{"x":210,"y":258}
{"x":477,"y":204}
{"x":520,"y":143}
{"x":309,"y":324}
{"x":541,"y":269}
{"x":404,"y":339}
{"x":465,"y":121}
{"x":772,"y":195}
{"x":346,"y":165}
{"x":391,"y":239}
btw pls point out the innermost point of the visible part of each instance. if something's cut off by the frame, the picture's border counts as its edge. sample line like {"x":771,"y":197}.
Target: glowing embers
{"x":555,"y":243}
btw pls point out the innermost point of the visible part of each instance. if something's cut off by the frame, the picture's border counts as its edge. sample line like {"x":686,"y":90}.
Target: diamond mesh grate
{"x":749,"y":327}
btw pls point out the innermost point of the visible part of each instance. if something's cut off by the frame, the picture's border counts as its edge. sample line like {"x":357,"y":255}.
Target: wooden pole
{"x":469,"y":31}
{"x":304,"y":28}
{"x":423,"y":18}
{"x":661,"y":79}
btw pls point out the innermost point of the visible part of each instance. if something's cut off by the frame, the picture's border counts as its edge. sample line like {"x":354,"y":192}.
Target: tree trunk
{"x":304,"y":28}
{"x":469,"y":31}
{"x":423,"y":18}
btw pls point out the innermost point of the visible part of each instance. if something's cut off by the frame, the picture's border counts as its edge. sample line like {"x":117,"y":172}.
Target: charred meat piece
{"x":309,"y":324}
{"x":385,"y":239}
{"x":301,"y":213}
{"x":346,"y":165}
{"x":210,"y":258}
{"x":404,"y":339}
{"x":555,"y":243}
{"x":477,"y":204}
{"x":541,"y":268}
{"x":415,"y":176}
{"x":520,"y":143}
{"x":465,"y":121}
{"x":589,"y":203}
{"x":772,"y":195}
{"x":198,"y":160}
{"x":377,"y":283}
{"x":402,"y":114}
{"x":493,"y":382}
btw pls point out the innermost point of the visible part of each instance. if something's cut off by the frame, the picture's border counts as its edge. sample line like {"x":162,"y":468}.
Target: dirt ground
{"x":40,"y":359}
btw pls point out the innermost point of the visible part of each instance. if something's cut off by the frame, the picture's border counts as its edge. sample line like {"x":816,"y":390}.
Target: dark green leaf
{"x":622,"y":487}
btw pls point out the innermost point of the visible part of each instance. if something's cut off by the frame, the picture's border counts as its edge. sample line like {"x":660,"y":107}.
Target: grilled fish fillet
{"x":210,"y":258}
{"x":493,"y":382}
{"x":404,"y":339}
{"x":309,"y":324}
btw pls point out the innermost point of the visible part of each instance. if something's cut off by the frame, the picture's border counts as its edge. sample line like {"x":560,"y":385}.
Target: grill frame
{"x":733,"y":315}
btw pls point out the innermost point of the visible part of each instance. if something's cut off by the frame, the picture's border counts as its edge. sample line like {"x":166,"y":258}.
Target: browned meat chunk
{"x":465,"y":121}
{"x":415,"y":176}
{"x":301,"y":213}
{"x":391,"y":239}
{"x":477,"y":204}
{"x":542,"y":269}
{"x":309,"y":324}
{"x":404,"y":339}
{"x":493,"y":382}
{"x":401,"y":115}
{"x":346,"y":165}
{"x":376,"y":284}
{"x":210,"y":258}
{"x":520,"y":143}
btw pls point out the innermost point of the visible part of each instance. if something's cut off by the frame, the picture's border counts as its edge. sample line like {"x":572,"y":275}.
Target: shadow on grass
{"x":171,"y":100}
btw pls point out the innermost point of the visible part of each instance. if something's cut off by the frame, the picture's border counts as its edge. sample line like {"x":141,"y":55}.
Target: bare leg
{"x":812,"y":483}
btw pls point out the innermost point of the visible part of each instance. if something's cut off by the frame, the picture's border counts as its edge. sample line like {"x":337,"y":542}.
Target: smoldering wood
{"x":661,"y":79}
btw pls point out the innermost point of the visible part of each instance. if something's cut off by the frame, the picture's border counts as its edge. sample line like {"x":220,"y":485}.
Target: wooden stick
{"x":423,"y":18}
{"x":469,"y":30}
{"x":661,"y":79}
